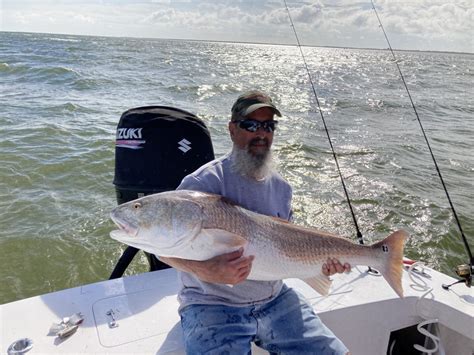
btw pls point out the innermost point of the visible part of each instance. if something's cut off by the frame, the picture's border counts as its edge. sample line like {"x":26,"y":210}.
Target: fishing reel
{"x":465,"y":273}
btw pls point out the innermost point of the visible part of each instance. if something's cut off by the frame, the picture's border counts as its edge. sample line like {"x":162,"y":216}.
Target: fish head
{"x":158,"y":223}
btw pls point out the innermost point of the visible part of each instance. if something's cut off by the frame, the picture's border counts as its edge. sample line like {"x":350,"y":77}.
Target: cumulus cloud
{"x":310,"y":14}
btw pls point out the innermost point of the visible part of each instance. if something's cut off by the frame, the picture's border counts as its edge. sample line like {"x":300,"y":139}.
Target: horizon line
{"x":239,"y":42}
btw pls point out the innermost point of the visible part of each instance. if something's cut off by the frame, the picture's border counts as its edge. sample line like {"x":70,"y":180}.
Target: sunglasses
{"x":253,"y":125}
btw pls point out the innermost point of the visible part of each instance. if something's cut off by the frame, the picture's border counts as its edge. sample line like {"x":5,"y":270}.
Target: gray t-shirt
{"x":270,"y":196}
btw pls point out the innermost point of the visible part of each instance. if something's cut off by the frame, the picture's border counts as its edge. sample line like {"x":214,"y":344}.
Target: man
{"x":219,"y":318}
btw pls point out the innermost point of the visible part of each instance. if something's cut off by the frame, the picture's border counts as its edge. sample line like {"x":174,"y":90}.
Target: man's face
{"x":257,"y":143}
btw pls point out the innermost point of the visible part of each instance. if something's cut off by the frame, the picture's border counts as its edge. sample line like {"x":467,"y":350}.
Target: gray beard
{"x":253,"y":166}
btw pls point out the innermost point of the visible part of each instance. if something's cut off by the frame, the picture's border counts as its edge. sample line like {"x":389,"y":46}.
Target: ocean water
{"x":61,"y":98}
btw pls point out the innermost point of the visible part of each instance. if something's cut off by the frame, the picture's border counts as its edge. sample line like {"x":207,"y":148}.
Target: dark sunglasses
{"x":253,"y":125}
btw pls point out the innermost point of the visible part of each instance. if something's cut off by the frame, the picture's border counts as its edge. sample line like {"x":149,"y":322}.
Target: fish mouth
{"x":130,"y":229}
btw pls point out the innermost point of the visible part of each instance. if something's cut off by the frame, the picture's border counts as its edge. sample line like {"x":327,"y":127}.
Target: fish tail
{"x":392,"y":269}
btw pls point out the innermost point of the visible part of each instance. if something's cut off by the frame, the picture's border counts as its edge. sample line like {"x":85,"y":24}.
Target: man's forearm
{"x":230,"y":268}
{"x":181,"y":264}
{"x":217,"y":269}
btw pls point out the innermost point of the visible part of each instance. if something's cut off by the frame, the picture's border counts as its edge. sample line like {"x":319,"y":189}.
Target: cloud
{"x":83,"y":18}
{"x":431,"y":24}
{"x":309,"y":14}
{"x":422,"y":24}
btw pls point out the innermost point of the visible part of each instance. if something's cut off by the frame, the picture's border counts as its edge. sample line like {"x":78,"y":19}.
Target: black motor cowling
{"x":155,"y":147}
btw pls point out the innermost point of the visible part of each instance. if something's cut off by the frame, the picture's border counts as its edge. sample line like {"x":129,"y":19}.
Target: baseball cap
{"x":251,"y":101}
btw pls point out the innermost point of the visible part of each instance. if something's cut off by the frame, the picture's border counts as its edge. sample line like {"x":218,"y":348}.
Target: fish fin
{"x":320,"y":284}
{"x":392,"y":269}
{"x":223,"y":241}
{"x":280,"y":220}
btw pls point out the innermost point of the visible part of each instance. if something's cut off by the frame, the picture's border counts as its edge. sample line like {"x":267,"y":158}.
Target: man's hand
{"x":333,"y":266}
{"x":231,"y":268}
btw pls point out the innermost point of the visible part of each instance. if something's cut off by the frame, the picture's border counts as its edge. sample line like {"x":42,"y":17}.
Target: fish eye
{"x":137,"y":205}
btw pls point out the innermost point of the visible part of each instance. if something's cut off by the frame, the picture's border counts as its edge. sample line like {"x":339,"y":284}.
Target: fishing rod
{"x":463,"y":271}
{"x":359,"y":234}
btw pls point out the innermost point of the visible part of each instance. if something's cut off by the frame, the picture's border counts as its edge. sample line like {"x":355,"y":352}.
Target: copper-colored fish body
{"x":196,"y":225}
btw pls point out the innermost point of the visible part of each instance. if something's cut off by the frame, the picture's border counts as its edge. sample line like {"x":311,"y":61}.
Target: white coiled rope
{"x":425,"y":332}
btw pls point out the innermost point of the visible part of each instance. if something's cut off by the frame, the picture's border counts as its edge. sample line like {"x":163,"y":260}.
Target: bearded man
{"x":222,"y":312}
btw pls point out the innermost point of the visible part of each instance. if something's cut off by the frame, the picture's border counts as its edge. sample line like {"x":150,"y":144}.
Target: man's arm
{"x":231,"y":268}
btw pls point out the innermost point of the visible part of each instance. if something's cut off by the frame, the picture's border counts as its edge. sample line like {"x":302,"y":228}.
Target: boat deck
{"x":361,"y":309}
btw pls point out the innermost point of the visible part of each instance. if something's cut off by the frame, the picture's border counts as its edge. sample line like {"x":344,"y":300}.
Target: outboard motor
{"x":156,"y":147}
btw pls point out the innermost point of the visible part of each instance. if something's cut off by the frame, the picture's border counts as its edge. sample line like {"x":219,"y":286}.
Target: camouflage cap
{"x":251,"y":101}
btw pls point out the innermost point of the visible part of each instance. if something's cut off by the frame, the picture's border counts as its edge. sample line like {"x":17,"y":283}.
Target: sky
{"x":411,"y":24}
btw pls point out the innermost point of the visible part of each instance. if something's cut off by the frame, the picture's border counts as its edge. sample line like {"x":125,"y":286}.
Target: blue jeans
{"x":286,"y":325}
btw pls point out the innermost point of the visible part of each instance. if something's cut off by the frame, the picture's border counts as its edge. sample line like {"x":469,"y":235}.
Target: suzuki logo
{"x":184,"y":145}
{"x":129,"y":133}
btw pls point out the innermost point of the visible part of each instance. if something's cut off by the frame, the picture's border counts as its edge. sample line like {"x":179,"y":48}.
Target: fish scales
{"x":303,"y":246}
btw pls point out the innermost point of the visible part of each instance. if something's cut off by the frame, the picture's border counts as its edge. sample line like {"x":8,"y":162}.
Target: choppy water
{"x":61,"y":98}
